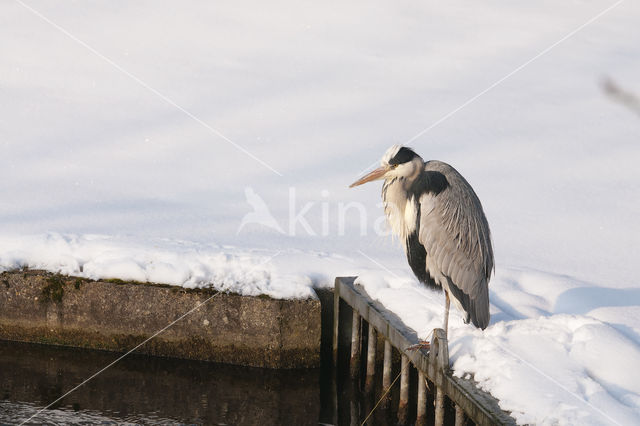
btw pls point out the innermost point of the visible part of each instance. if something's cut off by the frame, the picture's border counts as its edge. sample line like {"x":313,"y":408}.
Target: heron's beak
{"x":374,"y":175}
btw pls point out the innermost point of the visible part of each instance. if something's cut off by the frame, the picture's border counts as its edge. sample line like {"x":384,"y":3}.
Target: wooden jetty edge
{"x":469,"y":400}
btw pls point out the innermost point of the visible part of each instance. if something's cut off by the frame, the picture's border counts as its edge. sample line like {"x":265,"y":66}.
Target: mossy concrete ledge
{"x":40,"y":307}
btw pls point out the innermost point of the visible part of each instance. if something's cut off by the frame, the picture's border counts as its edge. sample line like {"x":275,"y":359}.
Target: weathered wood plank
{"x":336,"y":320}
{"x":354,"y":362}
{"x":371,"y":359}
{"x":403,"y":403}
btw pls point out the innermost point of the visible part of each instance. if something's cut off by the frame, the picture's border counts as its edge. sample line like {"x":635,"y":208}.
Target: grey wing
{"x":456,"y":237}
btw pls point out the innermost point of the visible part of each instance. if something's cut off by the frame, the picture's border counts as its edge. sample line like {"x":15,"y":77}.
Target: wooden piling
{"x":386,"y":369}
{"x":354,"y":363}
{"x":403,"y":405}
{"x":438,"y":367}
{"x":334,"y":399}
{"x":386,"y":373}
{"x":439,"y":418}
{"x":353,"y":412}
{"x":421,"y":412}
{"x":336,"y":321}
{"x":371,"y":359}
{"x":459,"y":416}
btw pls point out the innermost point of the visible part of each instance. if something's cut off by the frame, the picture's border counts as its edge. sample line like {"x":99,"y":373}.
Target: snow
{"x":248,"y":272}
{"x":212,"y":145}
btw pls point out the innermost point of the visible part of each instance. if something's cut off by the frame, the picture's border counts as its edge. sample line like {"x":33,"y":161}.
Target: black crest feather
{"x":404,"y":155}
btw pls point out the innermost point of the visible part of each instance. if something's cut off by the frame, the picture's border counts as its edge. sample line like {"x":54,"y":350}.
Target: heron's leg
{"x":446,"y":314}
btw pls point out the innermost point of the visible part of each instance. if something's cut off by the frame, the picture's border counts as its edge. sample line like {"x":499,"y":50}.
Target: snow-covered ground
{"x":214,"y":142}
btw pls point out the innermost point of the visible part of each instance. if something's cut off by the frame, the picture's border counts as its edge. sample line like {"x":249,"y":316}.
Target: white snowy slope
{"x":214,"y":143}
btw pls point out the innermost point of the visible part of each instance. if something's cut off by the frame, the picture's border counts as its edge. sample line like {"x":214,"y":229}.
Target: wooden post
{"x":354,"y":363}
{"x":334,"y":398}
{"x":386,"y":373}
{"x":421,"y":413}
{"x":459,"y":416}
{"x":403,"y":405}
{"x":439,"y":420}
{"x":336,"y":321}
{"x":371,"y":359}
{"x":438,"y":368}
{"x":353,"y":411}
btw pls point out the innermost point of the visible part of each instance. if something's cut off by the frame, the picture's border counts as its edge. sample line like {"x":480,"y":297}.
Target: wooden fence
{"x":470,"y":402}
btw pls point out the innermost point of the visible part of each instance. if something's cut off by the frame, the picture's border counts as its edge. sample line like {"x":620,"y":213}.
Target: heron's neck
{"x":395,"y":197}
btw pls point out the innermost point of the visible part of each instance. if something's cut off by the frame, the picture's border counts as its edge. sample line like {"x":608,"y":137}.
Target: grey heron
{"x":439,"y":218}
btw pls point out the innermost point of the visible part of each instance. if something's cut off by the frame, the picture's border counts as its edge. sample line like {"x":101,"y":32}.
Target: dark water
{"x":142,"y":389}
{"x":148,"y":390}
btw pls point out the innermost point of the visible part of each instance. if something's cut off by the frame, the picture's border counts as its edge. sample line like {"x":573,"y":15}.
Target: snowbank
{"x":249,"y":273}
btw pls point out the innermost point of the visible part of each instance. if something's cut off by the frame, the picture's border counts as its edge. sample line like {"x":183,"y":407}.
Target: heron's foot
{"x":422,"y":344}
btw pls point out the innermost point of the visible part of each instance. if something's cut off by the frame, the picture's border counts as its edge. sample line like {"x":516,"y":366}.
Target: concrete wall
{"x":37,"y":306}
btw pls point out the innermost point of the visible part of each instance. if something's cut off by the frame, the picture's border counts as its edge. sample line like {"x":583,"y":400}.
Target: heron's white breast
{"x":401,"y":212}
{"x":410,"y":215}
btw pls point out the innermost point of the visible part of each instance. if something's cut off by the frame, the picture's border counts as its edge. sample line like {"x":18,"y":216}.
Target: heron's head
{"x":398,"y":162}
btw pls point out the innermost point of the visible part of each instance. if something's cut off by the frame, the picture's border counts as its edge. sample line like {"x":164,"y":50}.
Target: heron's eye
{"x":394,"y":166}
